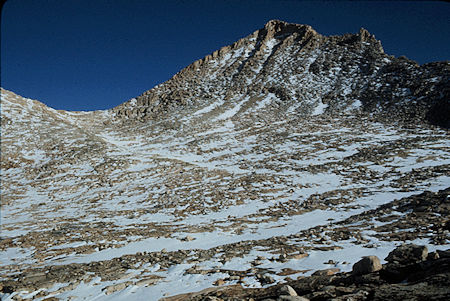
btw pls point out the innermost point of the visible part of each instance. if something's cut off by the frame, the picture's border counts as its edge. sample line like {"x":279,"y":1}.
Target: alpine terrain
{"x":281,"y":159}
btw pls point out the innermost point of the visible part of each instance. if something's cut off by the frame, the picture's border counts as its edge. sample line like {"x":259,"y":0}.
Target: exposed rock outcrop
{"x":306,"y":70}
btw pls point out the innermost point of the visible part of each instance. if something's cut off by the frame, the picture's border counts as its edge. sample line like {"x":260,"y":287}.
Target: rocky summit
{"x":304,"y":73}
{"x":286,"y":166}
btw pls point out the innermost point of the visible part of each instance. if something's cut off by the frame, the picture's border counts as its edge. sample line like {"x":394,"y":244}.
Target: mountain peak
{"x":306,"y":72}
{"x":276,"y":28}
{"x":365,"y":36}
{"x":275,"y":22}
{"x":276,"y":25}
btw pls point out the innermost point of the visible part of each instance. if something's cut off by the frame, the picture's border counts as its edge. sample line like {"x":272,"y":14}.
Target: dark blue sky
{"x":96,"y":54}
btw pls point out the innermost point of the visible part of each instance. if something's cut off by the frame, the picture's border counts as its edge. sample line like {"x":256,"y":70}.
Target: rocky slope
{"x":307,"y":73}
{"x":285,"y":153}
{"x":411,"y":273}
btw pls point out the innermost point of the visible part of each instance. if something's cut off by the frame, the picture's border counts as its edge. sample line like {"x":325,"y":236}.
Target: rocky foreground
{"x":411,"y":273}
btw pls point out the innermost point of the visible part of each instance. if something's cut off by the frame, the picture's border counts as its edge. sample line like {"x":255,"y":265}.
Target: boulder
{"x":366,"y":265}
{"x":326,"y":272}
{"x":188,"y":238}
{"x":115,"y":288}
{"x":288,"y":291}
{"x":408,"y":254}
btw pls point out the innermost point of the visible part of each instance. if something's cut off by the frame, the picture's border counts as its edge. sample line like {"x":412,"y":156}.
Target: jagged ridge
{"x":307,"y":72}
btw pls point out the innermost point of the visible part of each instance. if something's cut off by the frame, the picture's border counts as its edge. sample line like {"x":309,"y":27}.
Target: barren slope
{"x":158,"y":197}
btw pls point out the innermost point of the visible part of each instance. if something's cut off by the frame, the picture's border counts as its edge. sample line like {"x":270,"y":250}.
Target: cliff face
{"x":308,"y":73}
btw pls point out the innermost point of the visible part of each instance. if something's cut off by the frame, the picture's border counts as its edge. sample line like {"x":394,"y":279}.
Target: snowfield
{"x":227,"y":196}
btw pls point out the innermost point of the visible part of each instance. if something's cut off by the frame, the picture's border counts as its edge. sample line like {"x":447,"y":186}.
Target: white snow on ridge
{"x":270,"y":44}
{"x":133,"y":102}
{"x":231,"y":112}
{"x":319,"y":108}
{"x":356,"y":104}
{"x":265,"y":101}
{"x":209,"y":108}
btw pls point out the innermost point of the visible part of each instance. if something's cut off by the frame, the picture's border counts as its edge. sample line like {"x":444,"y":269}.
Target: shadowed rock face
{"x":367,"y":265}
{"x":305,"y":70}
